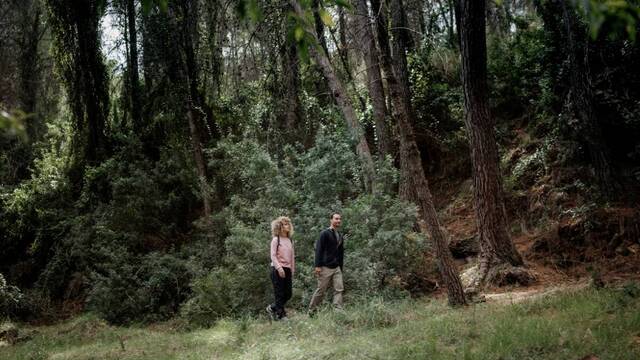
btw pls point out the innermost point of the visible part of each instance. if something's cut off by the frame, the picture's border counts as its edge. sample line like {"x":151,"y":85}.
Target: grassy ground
{"x":604,"y":323}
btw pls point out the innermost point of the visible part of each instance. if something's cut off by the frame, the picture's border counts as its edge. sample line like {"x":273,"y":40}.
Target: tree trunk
{"x":495,"y":242}
{"x":75,"y":26}
{"x":379,"y":11}
{"x":401,"y":41}
{"x":289,"y":59}
{"x":342,"y":28}
{"x":194,"y":99}
{"x":322,"y":88}
{"x":416,"y":180}
{"x":134,"y":82}
{"x":344,"y":103}
{"x":319,"y":25}
{"x":582,"y":101}
{"x":198,"y":155}
{"x":29,"y":68}
{"x":215,"y":29}
{"x":374,"y":77}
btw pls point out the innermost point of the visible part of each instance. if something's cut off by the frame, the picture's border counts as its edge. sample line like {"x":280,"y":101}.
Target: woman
{"x":282,"y":265}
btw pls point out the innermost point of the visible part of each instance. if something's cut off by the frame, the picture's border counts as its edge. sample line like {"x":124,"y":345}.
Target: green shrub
{"x":382,"y":250}
{"x":10,"y":299}
{"x":146,"y":289}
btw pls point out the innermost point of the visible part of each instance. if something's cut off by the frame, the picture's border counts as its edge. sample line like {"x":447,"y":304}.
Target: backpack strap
{"x":278,"y":246}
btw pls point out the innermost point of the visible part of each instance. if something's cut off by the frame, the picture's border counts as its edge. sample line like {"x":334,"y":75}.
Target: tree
{"x":293,"y":110}
{"x":75,"y":27}
{"x":188,"y":17}
{"x":132,"y":70}
{"x":341,"y":97}
{"x":496,"y":246}
{"x":414,"y":173}
{"x":582,"y":100}
{"x":374,"y":76}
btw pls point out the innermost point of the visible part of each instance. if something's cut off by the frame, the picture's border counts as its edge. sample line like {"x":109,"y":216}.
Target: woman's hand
{"x":281,"y":273}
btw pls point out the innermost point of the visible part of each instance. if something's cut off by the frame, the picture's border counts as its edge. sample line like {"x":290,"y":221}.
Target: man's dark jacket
{"x":329,"y":249}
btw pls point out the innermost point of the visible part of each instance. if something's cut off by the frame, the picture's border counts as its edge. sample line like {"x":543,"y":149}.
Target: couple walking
{"x":329,"y":254}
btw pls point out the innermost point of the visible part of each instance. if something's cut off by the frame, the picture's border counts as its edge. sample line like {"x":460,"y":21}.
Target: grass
{"x":604,"y":323}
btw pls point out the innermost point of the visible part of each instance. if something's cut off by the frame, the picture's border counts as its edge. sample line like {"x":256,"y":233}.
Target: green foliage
{"x":437,"y":98}
{"x":249,"y":9}
{"x":31,"y":213}
{"x":10,"y":298}
{"x":613,"y":18}
{"x":436,"y":90}
{"x":382,"y":250}
{"x":12,"y":124}
{"x":516,"y":68}
{"x":147,"y":5}
{"x":145,"y":288}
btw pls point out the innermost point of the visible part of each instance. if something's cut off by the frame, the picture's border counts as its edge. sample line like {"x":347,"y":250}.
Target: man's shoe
{"x":272,"y":315}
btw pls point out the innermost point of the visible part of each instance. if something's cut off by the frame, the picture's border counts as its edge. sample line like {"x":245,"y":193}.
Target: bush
{"x":382,"y":250}
{"x":10,"y":299}
{"x":147,"y":289}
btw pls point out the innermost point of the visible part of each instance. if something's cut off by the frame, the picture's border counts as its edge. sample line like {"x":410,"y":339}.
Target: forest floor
{"x":576,"y":321}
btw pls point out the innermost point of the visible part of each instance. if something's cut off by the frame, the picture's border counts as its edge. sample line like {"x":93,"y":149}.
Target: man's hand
{"x":281,"y":273}
{"x":317,"y":271}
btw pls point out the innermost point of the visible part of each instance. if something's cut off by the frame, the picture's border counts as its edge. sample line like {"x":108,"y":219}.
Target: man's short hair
{"x":334,"y":214}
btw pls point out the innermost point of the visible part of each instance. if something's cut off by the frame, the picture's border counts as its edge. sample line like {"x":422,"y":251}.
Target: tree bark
{"x":374,"y":77}
{"x":401,"y":41}
{"x":344,"y":103}
{"x":215,"y":29}
{"x":342,"y":28}
{"x":416,"y":180}
{"x":583,"y":104}
{"x":134,"y":81}
{"x":319,"y":25}
{"x":293,"y":111}
{"x":194,"y":99}
{"x":198,"y":155}
{"x":28,"y":66}
{"x":75,"y":26}
{"x":496,"y":246}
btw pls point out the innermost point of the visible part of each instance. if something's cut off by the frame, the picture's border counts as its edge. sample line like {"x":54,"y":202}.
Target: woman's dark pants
{"x":281,"y":290}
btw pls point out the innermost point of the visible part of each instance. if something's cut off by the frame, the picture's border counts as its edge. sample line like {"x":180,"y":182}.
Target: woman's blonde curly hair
{"x":276,"y":226}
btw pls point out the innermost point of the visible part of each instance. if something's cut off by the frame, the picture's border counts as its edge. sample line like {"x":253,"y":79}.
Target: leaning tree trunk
{"x":374,"y":77}
{"x":582,"y":101}
{"x":495,"y":242}
{"x":416,"y":180}
{"x":344,"y":103}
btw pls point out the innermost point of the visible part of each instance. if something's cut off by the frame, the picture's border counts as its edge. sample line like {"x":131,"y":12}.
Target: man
{"x":328,"y":263}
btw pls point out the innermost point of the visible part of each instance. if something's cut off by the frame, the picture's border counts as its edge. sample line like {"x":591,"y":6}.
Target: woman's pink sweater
{"x":285,"y":256}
